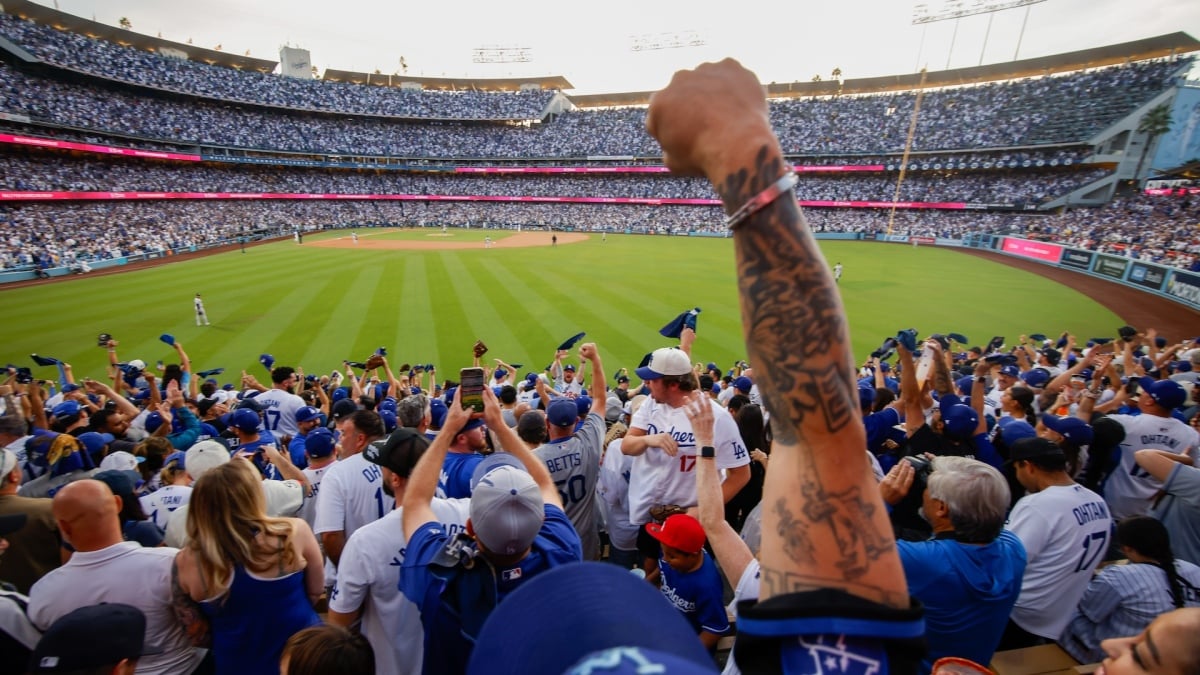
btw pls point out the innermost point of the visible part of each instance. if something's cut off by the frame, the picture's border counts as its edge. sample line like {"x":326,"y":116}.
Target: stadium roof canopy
{"x":1149,"y":48}
{"x":449,"y":83}
{"x":94,"y":29}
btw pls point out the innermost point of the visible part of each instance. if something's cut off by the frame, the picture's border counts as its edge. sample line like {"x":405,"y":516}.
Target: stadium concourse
{"x":372,"y":494}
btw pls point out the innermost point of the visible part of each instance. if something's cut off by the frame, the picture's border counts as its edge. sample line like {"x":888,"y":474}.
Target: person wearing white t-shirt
{"x":368,"y":586}
{"x":1130,"y":489}
{"x":279,"y":404}
{"x":106,"y":568}
{"x":664,"y":446}
{"x":352,"y":489}
{"x":1065,"y":529}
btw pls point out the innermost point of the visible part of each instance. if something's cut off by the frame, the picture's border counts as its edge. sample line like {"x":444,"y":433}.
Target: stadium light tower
{"x":925,"y":13}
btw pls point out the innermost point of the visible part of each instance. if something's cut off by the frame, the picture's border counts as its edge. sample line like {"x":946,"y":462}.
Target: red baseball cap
{"x":680,"y":531}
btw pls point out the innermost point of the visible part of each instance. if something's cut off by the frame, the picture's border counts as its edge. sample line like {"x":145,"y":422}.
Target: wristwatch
{"x":707,"y":452}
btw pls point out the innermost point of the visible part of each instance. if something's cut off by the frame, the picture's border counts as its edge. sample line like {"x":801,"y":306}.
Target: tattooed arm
{"x":187,"y":611}
{"x":824,"y":523}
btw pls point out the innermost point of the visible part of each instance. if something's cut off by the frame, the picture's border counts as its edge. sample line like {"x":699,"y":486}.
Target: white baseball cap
{"x":665,"y":361}
{"x":120,"y":461}
{"x":203,"y":456}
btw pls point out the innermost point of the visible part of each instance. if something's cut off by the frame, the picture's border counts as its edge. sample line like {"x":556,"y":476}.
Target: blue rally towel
{"x":571,"y":341}
{"x":675,"y":326}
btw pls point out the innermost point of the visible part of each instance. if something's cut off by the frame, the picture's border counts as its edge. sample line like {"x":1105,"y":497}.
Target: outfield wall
{"x":1169,"y":282}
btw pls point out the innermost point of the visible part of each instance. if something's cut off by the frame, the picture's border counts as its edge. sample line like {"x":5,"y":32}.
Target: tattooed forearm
{"x":776,"y":582}
{"x":941,"y":377}
{"x":791,"y":312}
{"x":188,"y":613}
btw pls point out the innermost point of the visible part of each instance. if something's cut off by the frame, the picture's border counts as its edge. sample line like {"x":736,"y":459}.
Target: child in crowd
{"x":690,"y":579}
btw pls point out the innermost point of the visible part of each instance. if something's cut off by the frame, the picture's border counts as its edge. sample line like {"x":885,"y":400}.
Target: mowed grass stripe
{"x":417,"y":342}
{"x":450,"y":326}
{"x":335,"y":324}
{"x":381,"y":326}
{"x":464,"y":274}
{"x":528,"y":332}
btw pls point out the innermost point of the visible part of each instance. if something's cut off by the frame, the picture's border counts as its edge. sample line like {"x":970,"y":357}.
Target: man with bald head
{"x":106,"y":568}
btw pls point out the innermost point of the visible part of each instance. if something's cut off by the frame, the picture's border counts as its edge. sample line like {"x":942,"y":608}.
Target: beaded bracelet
{"x":758,"y":201}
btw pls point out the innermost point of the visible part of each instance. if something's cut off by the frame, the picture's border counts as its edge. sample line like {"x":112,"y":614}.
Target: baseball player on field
{"x":201,"y":315}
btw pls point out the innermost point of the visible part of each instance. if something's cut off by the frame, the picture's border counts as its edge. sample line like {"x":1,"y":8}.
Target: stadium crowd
{"x":1008,"y":424}
{"x":1040,"y":111}
{"x":54,"y":234}
{"x":111,"y":61}
{"x":184,"y":522}
{"x":52,"y":172}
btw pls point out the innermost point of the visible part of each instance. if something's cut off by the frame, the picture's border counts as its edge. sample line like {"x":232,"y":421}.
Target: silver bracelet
{"x":758,"y":201}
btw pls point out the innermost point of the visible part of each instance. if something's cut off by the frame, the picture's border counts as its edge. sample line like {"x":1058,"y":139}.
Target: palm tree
{"x":1156,"y":122}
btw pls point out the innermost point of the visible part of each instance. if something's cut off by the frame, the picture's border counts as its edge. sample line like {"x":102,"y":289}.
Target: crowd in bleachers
{"x":46,"y":234}
{"x":112,"y":61}
{"x":863,"y":124}
{"x":47,"y":172}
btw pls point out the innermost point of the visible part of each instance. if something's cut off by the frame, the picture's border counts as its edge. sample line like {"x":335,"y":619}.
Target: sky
{"x":591,"y":43}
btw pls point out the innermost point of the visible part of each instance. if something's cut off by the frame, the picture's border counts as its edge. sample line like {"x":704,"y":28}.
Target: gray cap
{"x":506,"y":505}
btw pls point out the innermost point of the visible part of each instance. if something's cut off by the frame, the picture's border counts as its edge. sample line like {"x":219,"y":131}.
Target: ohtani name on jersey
{"x":684,"y":439}
{"x":1150,"y":439}
{"x":1086,"y":513}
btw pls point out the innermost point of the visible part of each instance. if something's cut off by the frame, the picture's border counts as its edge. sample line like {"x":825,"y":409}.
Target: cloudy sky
{"x":592,"y":43}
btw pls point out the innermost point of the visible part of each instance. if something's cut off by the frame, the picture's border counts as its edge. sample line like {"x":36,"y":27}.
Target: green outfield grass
{"x":315,"y":307}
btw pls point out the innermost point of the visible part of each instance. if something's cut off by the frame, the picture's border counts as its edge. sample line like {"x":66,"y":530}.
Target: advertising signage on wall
{"x":1185,"y":287}
{"x":1146,"y":276}
{"x":1032,"y":249}
{"x":1080,"y":260}
{"x":1111,"y":266}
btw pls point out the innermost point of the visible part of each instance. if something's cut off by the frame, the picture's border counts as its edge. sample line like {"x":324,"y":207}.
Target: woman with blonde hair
{"x":251,"y":578}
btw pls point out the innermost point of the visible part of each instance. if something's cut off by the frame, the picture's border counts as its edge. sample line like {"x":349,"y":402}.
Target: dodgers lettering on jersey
{"x":658,"y":478}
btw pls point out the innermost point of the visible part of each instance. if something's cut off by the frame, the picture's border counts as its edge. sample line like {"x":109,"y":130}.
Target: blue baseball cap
{"x":319,"y":443}
{"x":743,"y":383}
{"x":307,"y":414}
{"x":437,"y":413}
{"x":562,"y":412}
{"x":1075,"y":430}
{"x":583,"y":404}
{"x":67,"y":409}
{"x":1013,"y":429}
{"x":389,"y":420}
{"x":1036,"y":378}
{"x":1010,"y":371}
{"x":93,"y":442}
{"x":628,"y":628}
{"x":244,"y":420}
{"x":959,"y":421}
{"x":1167,"y":393}
{"x":153,"y":421}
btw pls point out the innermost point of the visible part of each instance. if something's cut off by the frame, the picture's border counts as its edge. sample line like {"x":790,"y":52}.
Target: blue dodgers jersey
{"x":697,"y":595}
{"x":454,"y":482}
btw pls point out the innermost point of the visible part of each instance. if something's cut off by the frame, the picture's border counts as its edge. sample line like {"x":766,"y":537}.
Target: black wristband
{"x":707,"y":452}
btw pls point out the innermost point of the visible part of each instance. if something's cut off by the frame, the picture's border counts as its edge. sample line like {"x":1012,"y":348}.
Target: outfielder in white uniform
{"x":837,"y":273}
{"x":1130,"y":489}
{"x":664,"y":446}
{"x":1065,"y":529}
{"x":201,"y":315}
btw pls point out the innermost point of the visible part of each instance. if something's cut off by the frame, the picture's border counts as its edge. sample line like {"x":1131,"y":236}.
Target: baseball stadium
{"x":191,"y":236}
